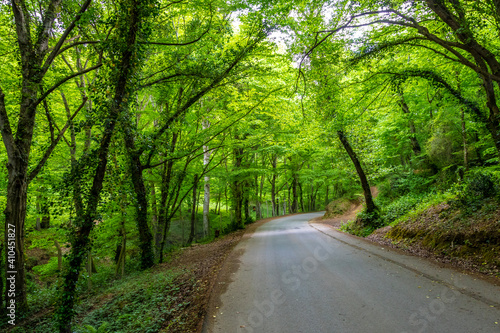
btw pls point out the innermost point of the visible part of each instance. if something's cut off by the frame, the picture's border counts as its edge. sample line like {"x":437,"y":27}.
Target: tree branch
{"x":179,"y":44}
{"x":54,"y":143}
{"x":60,"y":82}
{"x":42,"y":43}
{"x":148,"y":164}
{"x":76,"y":44}
{"x":5,"y":128}
{"x":182,"y":109}
{"x":163,"y":79}
{"x":412,"y":23}
{"x":65,"y":35}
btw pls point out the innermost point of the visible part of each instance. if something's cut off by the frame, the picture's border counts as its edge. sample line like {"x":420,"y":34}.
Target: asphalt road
{"x":292,"y":276}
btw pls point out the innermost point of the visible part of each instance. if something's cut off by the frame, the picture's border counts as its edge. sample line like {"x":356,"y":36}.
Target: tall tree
{"x":206,"y":186}
{"x":33,"y":32}
{"x":132,"y":25}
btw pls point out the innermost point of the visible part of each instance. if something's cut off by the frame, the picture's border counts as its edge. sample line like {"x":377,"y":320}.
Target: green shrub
{"x":401,"y":206}
{"x":364,"y":224}
{"x":354,"y":228}
{"x":411,"y":183}
{"x":41,"y":298}
{"x":477,"y":186}
{"x":141,"y":302}
{"x":482,"y":185}
{"x":401,"y":184}
{"x":49,"y":269}
{"x":101,"y":329}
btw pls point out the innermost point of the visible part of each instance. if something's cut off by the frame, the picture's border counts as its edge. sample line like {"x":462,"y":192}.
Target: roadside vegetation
{"x":456,"y":223}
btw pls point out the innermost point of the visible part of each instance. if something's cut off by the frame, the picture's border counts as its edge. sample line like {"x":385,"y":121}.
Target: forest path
{"x":293,"y":276}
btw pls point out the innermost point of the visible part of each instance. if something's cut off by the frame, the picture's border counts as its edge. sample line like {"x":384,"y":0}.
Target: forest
{"x":135,"y":128}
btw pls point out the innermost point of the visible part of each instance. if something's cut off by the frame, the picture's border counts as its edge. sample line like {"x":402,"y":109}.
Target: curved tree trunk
{"x":370,"y":205}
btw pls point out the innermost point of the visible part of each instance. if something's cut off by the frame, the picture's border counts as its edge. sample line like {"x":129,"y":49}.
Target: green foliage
{"x":427,"y":201}
{"x":401,"y":184}
{"x":369,"y":219}
{"x":364,"y":224}
{"x":438,"y":81}
{"x":42,"y":297}
{"x":47,"y":270}
{"x":354,"y":228}
{"x":401,"y":207}
{"x":143,"y":302}
{"x":101,"y":329}
{"x":344,"y":185}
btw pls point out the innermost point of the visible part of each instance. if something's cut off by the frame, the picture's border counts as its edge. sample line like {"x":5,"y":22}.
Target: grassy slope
{"x":170,"y":297}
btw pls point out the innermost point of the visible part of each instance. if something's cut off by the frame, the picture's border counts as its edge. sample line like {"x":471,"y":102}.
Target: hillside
{"x":469,"y":241}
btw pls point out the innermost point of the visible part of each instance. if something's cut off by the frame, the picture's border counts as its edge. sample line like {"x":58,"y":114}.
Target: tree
{"x":131,"y":26}
{"x":36,"y":58}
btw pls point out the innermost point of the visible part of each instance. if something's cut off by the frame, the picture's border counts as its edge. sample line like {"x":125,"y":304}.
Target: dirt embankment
{"x":470,"y":242}
{"x":341,"y":211}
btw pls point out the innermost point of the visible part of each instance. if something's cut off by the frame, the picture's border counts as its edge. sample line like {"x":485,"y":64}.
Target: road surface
{"x":292,"y":276}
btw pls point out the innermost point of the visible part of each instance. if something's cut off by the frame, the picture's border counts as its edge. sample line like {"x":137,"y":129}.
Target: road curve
{"x":293,"y":276}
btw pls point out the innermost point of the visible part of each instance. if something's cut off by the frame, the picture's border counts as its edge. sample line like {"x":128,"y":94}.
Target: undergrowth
{"x":141,"y":302}
{"x":406,"y":195}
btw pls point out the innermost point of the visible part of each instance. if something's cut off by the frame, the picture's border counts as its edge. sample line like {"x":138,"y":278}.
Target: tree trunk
{"x":273,"y":185}
{"x":261,"y":191}
{"x":120,"y":262}
{"x":237,"y":189}
{"x":45,"y":223}
{"x":295,"y":195}
{"x":155,"y":227}
{"x":301,"y":198}
{"x":15,"y":214}
{"x":38,"y":225}
{"x":141,"y":202}
{"x":246,"y":208}
{"x":163,"y":220}
{"x":258,"y":213}
{"x":206,"y":187}
{"x":311,"y":198}
{"x":121,"y":253}
{"x":464,"y":140}
{"x":193,"y":210}
{"x":415,"y":146}
{"x":327,"y":201}
{"x":219,"y":202}
{"x":462,"y":120}
{"x":59,"y":256}
{"x":370,"y":205}
{"x":3,"y":307}
{"x":85,"y":218}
